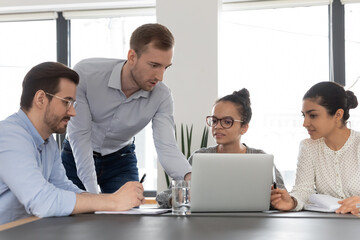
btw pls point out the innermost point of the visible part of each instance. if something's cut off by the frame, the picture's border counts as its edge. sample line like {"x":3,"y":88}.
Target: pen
{"x":143,"y":178}
{"x":274,"y":177}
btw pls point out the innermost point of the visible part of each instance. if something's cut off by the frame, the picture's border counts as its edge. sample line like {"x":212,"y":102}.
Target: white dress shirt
{"x":324,"y":171}
{"x":107,"y":121}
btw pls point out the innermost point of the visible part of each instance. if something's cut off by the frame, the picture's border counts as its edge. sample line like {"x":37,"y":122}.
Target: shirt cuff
{"x":299,"y":206}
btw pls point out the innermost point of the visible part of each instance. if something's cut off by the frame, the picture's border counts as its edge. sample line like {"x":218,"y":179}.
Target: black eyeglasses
{"x":68,"y":102}
{"x":225,"y":122}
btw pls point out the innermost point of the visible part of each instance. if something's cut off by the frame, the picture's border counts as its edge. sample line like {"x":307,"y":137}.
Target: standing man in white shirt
{"x":116,"y":100}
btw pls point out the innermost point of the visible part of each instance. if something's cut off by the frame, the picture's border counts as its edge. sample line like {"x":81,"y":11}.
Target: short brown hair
{"x":44,"y":76}
{"x":151,"y":32}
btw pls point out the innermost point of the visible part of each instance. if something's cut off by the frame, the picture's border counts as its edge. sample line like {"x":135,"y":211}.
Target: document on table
{"x":137,"y":211}
{"x":322,"y":203}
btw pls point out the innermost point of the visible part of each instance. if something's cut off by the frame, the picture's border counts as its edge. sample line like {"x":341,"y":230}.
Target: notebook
{"x":231,"y":182}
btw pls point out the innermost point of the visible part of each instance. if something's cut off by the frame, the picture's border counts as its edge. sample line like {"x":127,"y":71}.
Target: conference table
{"x":197,"y":226}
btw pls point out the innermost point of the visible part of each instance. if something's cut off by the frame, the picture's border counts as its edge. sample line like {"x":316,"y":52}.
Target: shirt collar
{"x":40,"y":143}
{"x":115,"y":79}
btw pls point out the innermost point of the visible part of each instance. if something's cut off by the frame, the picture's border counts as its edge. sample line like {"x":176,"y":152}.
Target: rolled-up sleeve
{"x":50,"y":201}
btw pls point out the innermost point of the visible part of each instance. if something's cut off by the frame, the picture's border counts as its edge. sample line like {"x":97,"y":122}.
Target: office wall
{"x":193,"y":77}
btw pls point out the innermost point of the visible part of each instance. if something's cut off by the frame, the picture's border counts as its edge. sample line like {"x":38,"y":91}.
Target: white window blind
{"x":349,"y":1}
{"x":124,"y":12}
{"x":26,"y":6}
{"x":229,"y":5}
{"x":28,"y":16}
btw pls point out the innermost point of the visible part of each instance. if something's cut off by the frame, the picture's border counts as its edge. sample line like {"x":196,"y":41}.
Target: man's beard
{"x":53,"y":122}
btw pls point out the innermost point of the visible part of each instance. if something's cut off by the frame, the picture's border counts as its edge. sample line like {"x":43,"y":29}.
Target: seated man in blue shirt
{"x":32,"y":177}
{"x":116,"y":100}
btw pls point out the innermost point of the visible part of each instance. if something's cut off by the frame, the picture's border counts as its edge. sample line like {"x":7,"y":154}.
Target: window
{"x":277,"y":54}
{"x":109,"y":37}
{"x":352,"y":54}
{"x":26,"y":44}
{"x":103,"y":37}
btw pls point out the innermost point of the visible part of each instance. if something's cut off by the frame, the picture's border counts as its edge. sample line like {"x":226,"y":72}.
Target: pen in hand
{"x":143,"y":178}
{"x":274,"y":178}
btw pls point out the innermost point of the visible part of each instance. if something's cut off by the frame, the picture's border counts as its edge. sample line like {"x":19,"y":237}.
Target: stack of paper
{"x":137,"y":211}
{"x":322,"y":203}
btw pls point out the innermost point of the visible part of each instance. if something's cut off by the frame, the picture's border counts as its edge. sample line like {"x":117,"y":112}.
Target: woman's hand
{"x":348,"y":205}
{"x":281,"y":200}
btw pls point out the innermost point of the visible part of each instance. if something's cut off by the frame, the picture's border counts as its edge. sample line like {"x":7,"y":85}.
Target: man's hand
{"x":187,"y":176}
{"x":128,"y":196}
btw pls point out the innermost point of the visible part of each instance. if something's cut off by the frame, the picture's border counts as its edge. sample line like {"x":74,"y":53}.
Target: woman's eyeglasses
{"x":225,"y":122}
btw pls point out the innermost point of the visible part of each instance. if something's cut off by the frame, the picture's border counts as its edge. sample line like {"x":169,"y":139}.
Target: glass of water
{"x":180,"y":197}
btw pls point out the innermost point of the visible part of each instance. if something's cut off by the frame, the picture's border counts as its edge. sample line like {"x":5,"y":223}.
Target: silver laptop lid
{"x":231,"y":182}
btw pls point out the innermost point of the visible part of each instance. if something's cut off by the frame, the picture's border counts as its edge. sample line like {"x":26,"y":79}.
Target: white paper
{"x":322,"y":203}
{"x":137,"y":211}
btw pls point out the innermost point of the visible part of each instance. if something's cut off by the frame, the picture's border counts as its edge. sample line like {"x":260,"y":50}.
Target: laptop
{"x":228,"y":182}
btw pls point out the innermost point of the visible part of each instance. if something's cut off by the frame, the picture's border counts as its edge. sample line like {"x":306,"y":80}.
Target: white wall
{"x":193,"y":76}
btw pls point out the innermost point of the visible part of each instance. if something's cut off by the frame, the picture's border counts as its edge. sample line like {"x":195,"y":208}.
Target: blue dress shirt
{"x":32,"y":177}
{"x":107,"y":121}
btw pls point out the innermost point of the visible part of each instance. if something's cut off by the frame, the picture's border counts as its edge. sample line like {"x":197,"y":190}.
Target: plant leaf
{"x":189,"y":139}
{"x":167,"y":180}
{"x":182,"y":140}
{"x":204,"y":139}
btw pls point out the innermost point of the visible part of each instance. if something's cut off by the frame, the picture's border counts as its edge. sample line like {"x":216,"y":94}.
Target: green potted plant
{"x":185,"y":143}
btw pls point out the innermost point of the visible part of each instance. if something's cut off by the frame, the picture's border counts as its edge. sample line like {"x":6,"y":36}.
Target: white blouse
{"x":324,"y":171}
